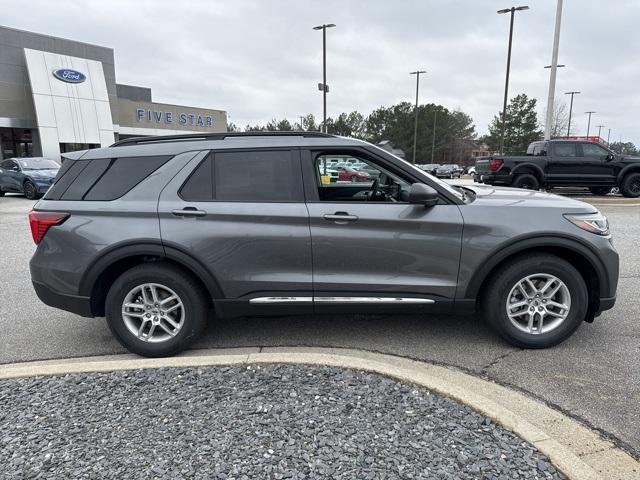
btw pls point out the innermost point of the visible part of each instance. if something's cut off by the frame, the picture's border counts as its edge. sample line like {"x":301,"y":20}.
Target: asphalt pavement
{"x":594,"y":376}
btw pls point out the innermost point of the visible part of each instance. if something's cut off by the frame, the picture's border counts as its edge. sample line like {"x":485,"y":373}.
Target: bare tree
{"x":560,"y":119}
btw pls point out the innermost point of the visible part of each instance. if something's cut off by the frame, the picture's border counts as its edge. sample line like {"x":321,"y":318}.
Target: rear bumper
{"x":71,"y":303}
{"x":492,"y":178}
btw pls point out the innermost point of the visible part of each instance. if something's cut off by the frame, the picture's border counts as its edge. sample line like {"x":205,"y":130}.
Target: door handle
{"x":189,"y":212}
{"x":341,"y":218}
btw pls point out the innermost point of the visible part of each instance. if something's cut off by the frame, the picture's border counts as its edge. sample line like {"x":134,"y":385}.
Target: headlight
{"x":591,"y":222}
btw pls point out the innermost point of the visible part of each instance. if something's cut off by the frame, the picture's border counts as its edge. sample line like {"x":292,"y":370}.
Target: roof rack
{"x":215,"y":136}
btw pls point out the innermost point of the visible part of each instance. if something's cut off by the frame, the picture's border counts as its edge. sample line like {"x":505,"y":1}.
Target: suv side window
{"x":102,"y":179}
{"x":246,"y":176}
{"x":565,"y":150}
{"x":594,"y":151}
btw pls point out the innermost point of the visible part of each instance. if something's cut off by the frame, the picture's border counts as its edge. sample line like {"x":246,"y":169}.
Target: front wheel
{"x":535,"y":301}
{"x":630,"y":186}
{"x":30,"y":190}
{"x":156,"y":310}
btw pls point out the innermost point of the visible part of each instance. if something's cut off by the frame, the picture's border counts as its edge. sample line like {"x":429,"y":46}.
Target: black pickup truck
{"x":563,"y":163}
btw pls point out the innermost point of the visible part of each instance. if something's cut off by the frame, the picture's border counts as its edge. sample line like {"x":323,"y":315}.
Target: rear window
{"x":245,"y":176}
{"x":102,"y":179}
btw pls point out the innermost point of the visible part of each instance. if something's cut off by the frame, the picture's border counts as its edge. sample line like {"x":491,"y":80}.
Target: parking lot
{"x":595,"y":375}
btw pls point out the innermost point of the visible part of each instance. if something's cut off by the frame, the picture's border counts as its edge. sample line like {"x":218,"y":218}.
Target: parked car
{"x":563,"y":163}
{"x":31,"y":176}
{"x":448,"y":171}
{"x":430,"y":168}
{"x":145,"y":234}
{"x":372,"y":171}
{"x":349,"y":174}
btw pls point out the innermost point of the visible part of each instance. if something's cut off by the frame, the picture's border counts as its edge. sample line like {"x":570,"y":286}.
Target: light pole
{"x":548,"y":127}
{"x":433,"y":138}
{"x":301,"y":117}
{"x":589,"y":122}
{"x":511,"y":10}
{"x":554,"y":70}
{"x":600,"y":130}
{"x":323,"y":86}
{"x":609,"y":136}
{"x":570,"y":110}
{"x":415,"y":121}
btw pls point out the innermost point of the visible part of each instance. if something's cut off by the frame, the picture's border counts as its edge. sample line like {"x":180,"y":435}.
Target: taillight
{"x":495,"y":164}
{"x":40,"y":222}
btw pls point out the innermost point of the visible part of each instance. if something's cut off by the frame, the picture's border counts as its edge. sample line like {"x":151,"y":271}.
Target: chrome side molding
{"x":281,"y":300}
{"x":383,"y":300}
{"x":372,"y":300}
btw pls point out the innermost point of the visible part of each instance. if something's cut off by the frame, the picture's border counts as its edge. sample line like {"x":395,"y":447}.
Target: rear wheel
{"x":526,"y":181}
{"x":600,"y":190}
{"x":536,"y":301}
{"x":354,"y":178}
{"x":156,"y":310}
{"x":630,"y":186}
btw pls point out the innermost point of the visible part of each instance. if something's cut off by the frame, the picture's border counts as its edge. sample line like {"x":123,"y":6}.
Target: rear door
{"x":241,"y":214}
{"x":566,"y":162}
{"x":378,"y":253}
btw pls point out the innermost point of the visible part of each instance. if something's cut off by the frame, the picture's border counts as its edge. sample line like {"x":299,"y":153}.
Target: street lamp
{"x":433,"y":138}
{"x":323,"y":86}
{"x":600,"y":131}
{"x":589,"y":122}
{"x":570,"y":110}
{"x":415,"y":122}
{"x":511,"y":10}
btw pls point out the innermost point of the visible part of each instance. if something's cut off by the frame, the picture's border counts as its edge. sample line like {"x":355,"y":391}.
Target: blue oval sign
{"x":69,"y":76}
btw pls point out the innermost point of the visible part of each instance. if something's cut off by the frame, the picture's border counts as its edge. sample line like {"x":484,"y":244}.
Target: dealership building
{"x":59,"y":95}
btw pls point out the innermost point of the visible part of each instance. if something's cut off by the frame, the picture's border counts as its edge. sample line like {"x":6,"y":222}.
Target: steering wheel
{"x":374,"y":190}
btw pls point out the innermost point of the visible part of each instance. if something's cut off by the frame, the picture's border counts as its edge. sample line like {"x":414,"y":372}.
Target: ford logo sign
{"x":69,"y":76}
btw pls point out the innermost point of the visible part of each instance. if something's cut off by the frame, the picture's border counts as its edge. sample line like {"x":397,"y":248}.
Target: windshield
{"x":444,"y":185}
{"x":38,"y":164}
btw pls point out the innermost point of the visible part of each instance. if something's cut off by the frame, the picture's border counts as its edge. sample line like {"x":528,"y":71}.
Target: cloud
{"x":259,"y":59}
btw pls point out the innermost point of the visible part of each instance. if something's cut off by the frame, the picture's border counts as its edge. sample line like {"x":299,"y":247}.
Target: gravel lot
{"x":274,"y":421}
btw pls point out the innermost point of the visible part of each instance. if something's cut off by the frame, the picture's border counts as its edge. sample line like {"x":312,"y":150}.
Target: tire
{"x":502,"y":289}
{"x":600,"y":190}
{"x":191,"y":316}
{"x":354,"y":178}
{"x":30,"y":190}
{"x":1,"y":193}
{"x":630,"y":185}
{"x":526,"y":181}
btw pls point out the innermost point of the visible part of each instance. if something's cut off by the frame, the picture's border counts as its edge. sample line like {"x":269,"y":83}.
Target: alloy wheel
{"x":538,"y":303}
{"x":153,"y":312}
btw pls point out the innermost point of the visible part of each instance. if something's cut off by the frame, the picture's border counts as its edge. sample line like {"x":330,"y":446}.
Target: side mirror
{"x":421,"y":194}
{"x":610,"y":157}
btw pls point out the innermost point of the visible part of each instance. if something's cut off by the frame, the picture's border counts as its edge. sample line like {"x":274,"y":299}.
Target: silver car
{"x":162,"y":234}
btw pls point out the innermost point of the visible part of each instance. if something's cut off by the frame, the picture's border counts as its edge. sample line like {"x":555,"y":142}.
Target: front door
{"x":241,"y":214}
{"x":596,"y":165}
{"x":371,"y":248}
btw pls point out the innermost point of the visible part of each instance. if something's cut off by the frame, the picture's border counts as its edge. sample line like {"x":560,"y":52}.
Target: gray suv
{"x":161,"y":234}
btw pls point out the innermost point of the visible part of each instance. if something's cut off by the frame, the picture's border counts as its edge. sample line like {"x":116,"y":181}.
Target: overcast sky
{"x":260,"y":59}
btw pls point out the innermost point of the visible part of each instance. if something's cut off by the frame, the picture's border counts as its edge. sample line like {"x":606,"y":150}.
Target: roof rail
{"x":215,"y":136}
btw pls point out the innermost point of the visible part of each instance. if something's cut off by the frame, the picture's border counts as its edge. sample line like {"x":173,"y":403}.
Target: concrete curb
{"x":577,"y":451}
